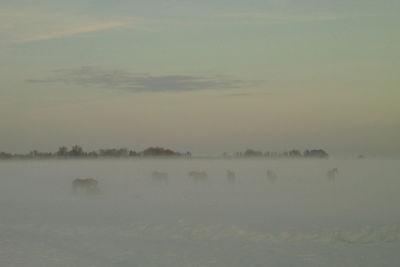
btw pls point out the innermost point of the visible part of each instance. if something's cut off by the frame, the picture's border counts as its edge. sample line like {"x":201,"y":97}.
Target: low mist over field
{"x":155,"y":213}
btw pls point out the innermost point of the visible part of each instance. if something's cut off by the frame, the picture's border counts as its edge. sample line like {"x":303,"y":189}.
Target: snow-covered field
{"x":301,"y":219}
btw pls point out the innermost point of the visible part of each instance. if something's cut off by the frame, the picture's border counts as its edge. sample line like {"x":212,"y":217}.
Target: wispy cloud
{"x":19,"y":24}
{"x":79,"y":29}
{"x":29,"y":23}
{"x":136,"y":82}
{"x":237,"y":95}
{"x":282,"y":17}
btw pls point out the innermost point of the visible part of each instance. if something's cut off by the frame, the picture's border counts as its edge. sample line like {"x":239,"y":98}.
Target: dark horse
{"x":230,"y":176}
{"x":160,"y":177}
{"x":198,"y":176}
{"x":271,"y":176}
{"x":88,"y":185}
{"x":331,"y":175}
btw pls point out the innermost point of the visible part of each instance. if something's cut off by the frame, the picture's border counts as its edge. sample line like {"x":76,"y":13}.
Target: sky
{"x":201,"y":76}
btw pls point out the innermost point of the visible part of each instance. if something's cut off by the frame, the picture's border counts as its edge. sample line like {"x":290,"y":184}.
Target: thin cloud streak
{"x":282,"y":17}
{"x":136,"y":82}
{"x":72,"y":31}
{"x":25,"y":24}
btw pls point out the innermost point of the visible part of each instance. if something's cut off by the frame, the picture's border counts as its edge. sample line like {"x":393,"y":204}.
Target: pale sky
{"x":201,"y":76}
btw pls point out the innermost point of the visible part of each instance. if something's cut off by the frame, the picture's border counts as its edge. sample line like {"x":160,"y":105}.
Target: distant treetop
{"x":77,"y":152}
{"x":316,"y":153}
{"x":294,"y":153}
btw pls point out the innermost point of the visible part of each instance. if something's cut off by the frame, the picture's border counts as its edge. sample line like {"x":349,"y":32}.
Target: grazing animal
{"x":271,"y":176}
{"x":230,"y":176}
{"x":198,"y":176}
{"x":88,"y":185}
{"x":160,"y":176}
{"x":331,"y":174}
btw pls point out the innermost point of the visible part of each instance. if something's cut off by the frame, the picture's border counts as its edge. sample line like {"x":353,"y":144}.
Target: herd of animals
{"x":91,"y":186}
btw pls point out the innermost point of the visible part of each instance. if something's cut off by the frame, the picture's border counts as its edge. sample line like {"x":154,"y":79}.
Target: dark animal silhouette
{"x":230,"y":176}
{"x":331,"y":174}
{"x":198,"y":176}
{"x":271,"y":176}
{"x":88,"y":185}
{"x":160,"y":176}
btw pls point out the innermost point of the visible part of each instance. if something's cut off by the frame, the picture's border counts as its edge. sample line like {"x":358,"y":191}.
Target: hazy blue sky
{"x":205,"y":76}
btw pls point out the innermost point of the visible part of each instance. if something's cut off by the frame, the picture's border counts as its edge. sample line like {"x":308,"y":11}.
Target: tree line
{"x":294,"y":153}
{"x":77,"y":151}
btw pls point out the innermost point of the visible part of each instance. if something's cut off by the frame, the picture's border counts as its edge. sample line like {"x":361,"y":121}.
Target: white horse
{"x":271,"y":176}
{"x":88,"y":185}
{"x":331,"y":174}
{"x":161,"y":177}
{"x":198,"y":176}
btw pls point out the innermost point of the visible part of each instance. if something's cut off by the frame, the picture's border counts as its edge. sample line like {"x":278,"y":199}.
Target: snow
{"x":299,"y":220}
